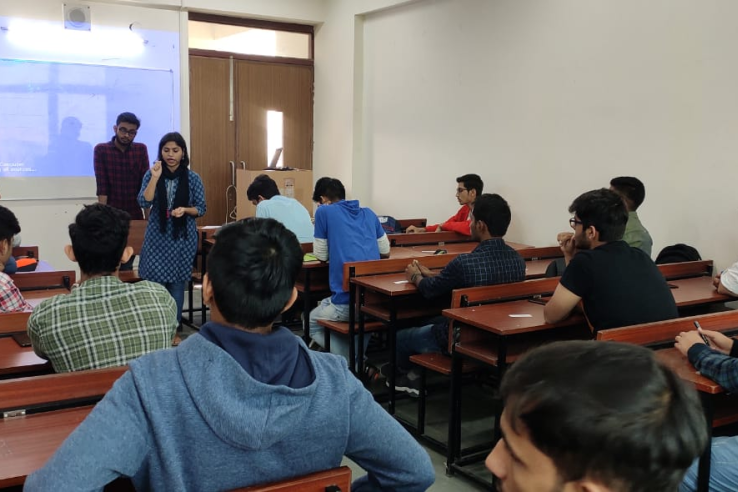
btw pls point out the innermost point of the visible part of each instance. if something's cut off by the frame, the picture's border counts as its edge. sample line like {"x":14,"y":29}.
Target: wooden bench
{"x":405,"y":223}
{"x":13,"y":322}
{"x":45,"y":280}
{"x":40,"y":412}
{"x":25,"y":252}
{"x":687,"y":269}
{"x":334,"y":480}
{"x":418,"y":238}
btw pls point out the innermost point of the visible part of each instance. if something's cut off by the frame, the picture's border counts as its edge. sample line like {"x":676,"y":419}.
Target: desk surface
{"x":29,"y":441}
{"x":496,"y":318}
{"x":15,"y":359}
{"x":36,"y":297}
{"x":678,"y":363}
{"x":696,"y":291}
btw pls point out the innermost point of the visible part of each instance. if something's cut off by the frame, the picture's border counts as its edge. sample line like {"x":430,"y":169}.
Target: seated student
{"x":11,"y":299}
{"x":492,"y":262}
{"x":103,"y":322}
{"x":240,"y":403}
{"x":719,"y":362}
{"x":469,"y":187}
{"x":633,"y":193}
{"x":595,"y":417}
{"x":617,"y":284}
{"x":264,"y":194}
{"x":350,"y":233}
{"x":726,"y":282}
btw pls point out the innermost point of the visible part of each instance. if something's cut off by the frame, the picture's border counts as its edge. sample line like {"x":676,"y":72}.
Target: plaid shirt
{"x":119,"y":175}
{"x":723,"y":369}
{"x":492,"y":262}
{"x":11,"y":299}
{"x":103,"y":323}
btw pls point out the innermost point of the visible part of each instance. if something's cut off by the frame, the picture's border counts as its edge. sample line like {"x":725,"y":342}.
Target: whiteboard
{"x":53,"y":114}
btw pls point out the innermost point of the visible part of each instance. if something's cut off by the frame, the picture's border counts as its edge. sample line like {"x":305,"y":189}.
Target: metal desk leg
{"x":703,"y":474}
{"x":454,"y":424}
{"x":306,"y":305}
{"x":360,"y":359}
{"x":392,"y":342}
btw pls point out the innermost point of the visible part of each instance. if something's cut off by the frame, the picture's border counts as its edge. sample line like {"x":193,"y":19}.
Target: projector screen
{"x":53,"y":114}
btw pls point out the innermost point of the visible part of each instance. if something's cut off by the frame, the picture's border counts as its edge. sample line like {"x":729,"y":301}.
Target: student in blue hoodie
{"x":240,"y":403}
{"x":344,"y":232}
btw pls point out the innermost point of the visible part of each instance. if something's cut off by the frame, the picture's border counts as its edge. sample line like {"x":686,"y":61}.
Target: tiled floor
{"x":476,"y":429}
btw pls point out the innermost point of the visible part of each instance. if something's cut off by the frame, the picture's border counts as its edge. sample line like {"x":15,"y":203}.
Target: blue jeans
{"x":723,"y":467}
{"x":411,"y":341}
{"x":177,"y":290}
{"x":10,"y":266}
{"x":334,"y":312}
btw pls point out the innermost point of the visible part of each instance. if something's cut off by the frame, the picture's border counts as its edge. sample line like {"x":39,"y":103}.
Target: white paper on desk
{"x":401,"y":282}
{"x":428,"y":251}
{"x":521,"y":315}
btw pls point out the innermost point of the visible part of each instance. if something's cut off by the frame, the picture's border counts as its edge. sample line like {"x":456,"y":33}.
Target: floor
{"x":477,"y":420}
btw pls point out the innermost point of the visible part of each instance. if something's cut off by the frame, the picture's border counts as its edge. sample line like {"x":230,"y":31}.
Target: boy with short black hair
{"x":11,"y":299}
{"x":256,"y":404}
{"x":264,"y":194}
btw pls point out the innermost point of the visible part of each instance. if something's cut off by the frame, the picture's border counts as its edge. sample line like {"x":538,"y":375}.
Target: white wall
{"x":544,"y":100}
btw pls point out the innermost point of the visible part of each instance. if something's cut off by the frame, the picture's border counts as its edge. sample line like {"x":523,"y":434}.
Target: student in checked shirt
{"x":719,"y":362}
{"x":103,"y":322}
{"x":11,"y":300}
{"x":120,"y":165}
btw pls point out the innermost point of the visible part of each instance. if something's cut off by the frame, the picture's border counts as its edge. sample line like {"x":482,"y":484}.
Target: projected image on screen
{"x":53,"y":114}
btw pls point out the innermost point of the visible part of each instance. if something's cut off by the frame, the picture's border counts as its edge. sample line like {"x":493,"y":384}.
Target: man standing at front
{"x":120,"y":165}
{"x":618,"y":285}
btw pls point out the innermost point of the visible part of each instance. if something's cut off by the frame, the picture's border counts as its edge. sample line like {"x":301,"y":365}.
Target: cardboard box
{"x":297,"y":183}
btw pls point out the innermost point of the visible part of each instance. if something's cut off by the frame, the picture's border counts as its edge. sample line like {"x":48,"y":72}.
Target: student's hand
{"x":412,"y":270}
{"x":718,"y":341}
{"x":412,"y":229}
{"x":156,"y":170}
{"x":686,"y":339}
{"x":567,"y":243}
{"x":424,"y":270}
{"x":178,"y":212}
{"x":716,"y":280}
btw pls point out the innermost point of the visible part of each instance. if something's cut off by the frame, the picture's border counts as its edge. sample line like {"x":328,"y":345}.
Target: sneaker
{"x":406,"y":383}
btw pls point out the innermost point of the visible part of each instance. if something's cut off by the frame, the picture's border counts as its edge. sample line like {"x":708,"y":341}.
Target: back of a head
{"x":263,"y":186}
{"x":604,"y":209}
{"x":631,"y":189}
{"x":99,"y":235}
{"x":319,"y":189}
{"x":9,"y":225}
{"x":128,"y":118}
{"x":253,"y":267}
{"x":607,"y":412}
{"x":471,"y":182}
{"x":334,"y":190}
{"x":494,"y":211}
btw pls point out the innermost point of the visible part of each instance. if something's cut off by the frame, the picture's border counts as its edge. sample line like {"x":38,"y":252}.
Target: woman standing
{"x":176,"y":198}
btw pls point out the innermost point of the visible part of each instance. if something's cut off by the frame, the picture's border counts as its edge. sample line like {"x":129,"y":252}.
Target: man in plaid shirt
{"x":11,"y":300}
{"x":120,"y":165}
{"x":103,"y":322}
{"x":719,"y":362}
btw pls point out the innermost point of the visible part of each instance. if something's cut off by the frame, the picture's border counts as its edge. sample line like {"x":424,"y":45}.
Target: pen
{"x":699,"y":330}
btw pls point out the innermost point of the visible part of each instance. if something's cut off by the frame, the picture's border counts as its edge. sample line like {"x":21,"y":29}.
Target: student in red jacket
{"x":469,"y":187}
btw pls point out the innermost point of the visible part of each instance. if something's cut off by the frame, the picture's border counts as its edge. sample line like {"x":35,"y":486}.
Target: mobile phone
{"x":699,"y":330}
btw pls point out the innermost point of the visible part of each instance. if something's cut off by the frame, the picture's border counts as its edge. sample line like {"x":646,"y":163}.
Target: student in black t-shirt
{"x":618,"y":285}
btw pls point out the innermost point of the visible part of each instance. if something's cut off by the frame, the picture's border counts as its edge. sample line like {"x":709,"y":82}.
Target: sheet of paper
{"x":521,"y":315}
{"x":428,"y":251}
{"x":401,"y":282}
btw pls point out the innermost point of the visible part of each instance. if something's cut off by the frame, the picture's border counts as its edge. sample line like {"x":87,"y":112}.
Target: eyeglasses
{"x":130,"y":133}
{"x":459,"y":191}
{"x":573,"y":222}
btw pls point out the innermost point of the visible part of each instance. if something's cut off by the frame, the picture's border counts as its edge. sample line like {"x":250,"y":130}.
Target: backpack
{"x":389,"y":224}
{"x":678,"y":253}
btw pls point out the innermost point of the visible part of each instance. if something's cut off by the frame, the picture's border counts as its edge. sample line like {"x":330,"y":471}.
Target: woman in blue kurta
{"x":176,"y":198}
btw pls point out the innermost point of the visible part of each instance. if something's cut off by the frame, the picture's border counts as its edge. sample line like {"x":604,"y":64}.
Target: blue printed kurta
{"x":163,"y":258}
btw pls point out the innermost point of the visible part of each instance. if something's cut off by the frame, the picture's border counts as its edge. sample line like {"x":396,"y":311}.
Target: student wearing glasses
{"x":618,"y":285}
{"x":120,"y":166}
{"x":468,"y":188}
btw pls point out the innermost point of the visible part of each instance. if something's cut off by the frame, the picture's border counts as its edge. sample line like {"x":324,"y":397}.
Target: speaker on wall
{"x":77,"y":17}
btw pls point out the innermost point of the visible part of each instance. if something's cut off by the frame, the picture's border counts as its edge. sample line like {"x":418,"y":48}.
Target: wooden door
{"x":263,"y":86}
{"x":212,"y":133}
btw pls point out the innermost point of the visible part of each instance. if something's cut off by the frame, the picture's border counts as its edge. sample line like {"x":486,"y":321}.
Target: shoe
{"x":313,"y":345}
{"x":405,"y":383}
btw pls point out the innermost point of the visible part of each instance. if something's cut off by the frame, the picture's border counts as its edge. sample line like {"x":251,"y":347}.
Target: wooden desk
{"x":36,"y":297}
{"x":29,"y":441}
{"x":15,"y":359}
{"x":41,"y":266}
{"x":696,"y":291}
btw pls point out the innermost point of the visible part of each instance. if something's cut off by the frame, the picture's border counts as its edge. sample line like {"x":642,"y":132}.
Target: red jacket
{"x":461,"y":222}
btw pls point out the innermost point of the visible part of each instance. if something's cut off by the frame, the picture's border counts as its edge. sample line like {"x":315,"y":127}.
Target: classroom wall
{"x":544,"y":100}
